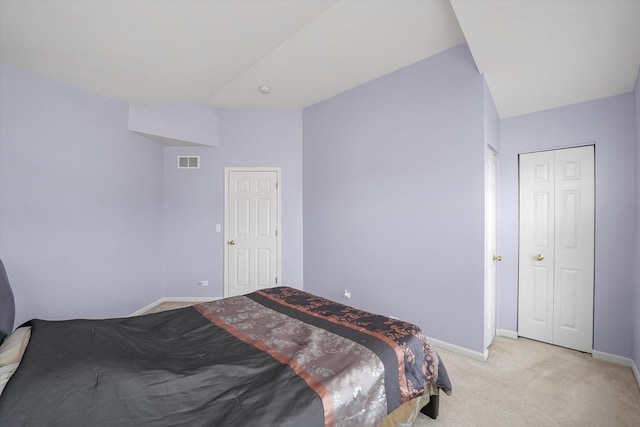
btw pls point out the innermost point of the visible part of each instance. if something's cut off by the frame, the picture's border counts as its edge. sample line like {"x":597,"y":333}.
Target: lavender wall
{"x":609,"y":124}
{"x":80,"y":202}
{"x":394,"y":197}
{"x":97,"y":221}
{"x":194,"y":198}
{"x":636,"y":325}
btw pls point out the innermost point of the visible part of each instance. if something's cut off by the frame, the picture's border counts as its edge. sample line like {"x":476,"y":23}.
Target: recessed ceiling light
{"x":265,"y":90}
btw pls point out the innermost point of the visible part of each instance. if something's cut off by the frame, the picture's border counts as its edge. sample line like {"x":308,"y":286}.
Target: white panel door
{"x":251,"y":231}
{"x":574,"y":249}
{"x":557,"y":247}
{"x":535,"y":296}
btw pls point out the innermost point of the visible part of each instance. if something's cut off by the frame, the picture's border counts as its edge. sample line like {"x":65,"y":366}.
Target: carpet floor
{"x":528,"y":383}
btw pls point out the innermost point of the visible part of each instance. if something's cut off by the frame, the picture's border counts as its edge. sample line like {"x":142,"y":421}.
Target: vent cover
{"x":188,"y":162}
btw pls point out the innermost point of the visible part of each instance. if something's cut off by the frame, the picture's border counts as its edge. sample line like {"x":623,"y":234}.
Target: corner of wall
{"x":491,"y":119}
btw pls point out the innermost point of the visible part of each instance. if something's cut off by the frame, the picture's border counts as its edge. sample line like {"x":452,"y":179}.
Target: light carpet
{"x":528,"y":383}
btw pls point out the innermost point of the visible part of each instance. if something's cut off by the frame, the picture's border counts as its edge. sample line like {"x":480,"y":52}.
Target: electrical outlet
{"x":203,"y":283}
{"x":346,"y":294}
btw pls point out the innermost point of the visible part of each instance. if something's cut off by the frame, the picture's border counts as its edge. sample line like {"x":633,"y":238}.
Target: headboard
{"x":7,"y":305}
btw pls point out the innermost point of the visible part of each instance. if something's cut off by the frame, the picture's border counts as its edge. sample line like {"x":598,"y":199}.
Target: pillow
{"x":11,"y":352}
{"x":6,"y":372}
{"x":13,"y":347}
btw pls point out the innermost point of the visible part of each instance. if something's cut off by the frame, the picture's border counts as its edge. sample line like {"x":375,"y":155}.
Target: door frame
{"x":491,"y":249}
{"x":227,"y":171}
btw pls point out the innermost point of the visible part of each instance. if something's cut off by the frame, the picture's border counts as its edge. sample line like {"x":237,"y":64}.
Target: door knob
{"x":231,"y":242}
{"x":497,"y":258}
{"x":539,"y":257}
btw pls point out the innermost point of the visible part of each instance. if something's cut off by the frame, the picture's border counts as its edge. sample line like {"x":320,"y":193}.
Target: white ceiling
{"x":535,"y":54}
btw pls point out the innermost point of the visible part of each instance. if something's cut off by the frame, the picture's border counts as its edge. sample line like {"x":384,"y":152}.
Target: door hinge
{"x":276,"y":280}
{"x":276,"y":233}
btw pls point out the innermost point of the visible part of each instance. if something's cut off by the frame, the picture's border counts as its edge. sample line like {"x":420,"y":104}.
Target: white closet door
{"x":557,"y":247}
{"x":574,"y":249}
{"x":535,"y":296}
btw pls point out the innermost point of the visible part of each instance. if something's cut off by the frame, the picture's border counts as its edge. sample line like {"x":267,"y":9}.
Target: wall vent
{"x":188,"y":162}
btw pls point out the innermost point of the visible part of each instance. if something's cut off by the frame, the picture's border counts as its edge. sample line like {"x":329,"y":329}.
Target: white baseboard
{"x":476,"y":355}
{"x":171,"y":299}
{"x":613,"y":358}
{"x":507,"y":334}
{"x":636,"y":372}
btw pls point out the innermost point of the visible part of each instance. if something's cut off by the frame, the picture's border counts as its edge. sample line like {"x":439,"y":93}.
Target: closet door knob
{"x":497,"y":258}
{"x":231,"y":242}
{"x":539,"y":257}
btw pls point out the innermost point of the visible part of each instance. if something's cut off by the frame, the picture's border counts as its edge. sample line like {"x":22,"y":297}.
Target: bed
{"x":275,"y":357}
